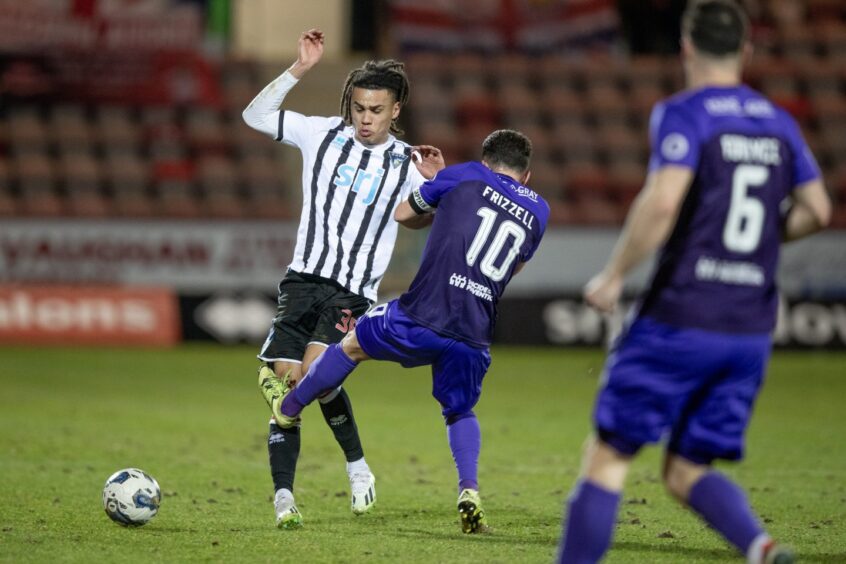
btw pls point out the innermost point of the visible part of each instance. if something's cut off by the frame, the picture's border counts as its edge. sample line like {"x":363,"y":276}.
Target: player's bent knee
{"x":456,"y":407}
{"x":604,"y":465}
{"x":451,"y":418}
{"x":681,"y":474}
{"x":330,"y":395}
{"x":282,"y":369}
{"x":352,"y":349}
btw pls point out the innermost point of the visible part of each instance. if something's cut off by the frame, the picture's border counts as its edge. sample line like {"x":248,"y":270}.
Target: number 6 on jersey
{"x":745,"y":220}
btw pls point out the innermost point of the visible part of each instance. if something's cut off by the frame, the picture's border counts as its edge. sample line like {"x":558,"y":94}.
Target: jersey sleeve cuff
{"x":418,"y":203}
{"x":286,"y":81}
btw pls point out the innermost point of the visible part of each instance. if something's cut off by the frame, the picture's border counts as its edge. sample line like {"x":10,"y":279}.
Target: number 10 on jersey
{"x":508,"y":230}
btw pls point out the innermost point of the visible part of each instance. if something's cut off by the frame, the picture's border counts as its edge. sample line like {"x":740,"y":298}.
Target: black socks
{"x":338,"y":414}
{"x":283,"y":446}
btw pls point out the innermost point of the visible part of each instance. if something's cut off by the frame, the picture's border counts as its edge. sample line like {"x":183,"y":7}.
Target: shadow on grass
{"x":715,"y":554}
{"x":532,"y":529}
{"x":496,"y":536}
{"x":823,"y":557}
{"x":643,"y":549}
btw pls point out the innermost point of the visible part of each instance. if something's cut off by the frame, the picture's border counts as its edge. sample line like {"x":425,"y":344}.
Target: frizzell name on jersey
{"x":522,"y":214}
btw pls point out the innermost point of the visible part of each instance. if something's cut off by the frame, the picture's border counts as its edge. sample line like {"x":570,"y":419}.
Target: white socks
{"x":283,"y":494}
{"x":356,"y":466}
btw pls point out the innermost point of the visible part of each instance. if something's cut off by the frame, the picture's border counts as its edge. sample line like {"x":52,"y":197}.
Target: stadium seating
{"x":8,"y":202}
{"x":587,"y":117}
{"x":73,"y":159}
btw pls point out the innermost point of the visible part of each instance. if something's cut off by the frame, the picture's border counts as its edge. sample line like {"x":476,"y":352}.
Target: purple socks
{"x":327,"y":372}
{"x":724,"y":506}
{"x":592,"y":512}
{"x":591,"y":515}
{"x":465,"y":442}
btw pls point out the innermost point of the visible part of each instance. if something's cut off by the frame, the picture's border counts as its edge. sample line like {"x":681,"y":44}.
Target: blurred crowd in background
{"x":136,"y":207}
{"x":131,"y":108}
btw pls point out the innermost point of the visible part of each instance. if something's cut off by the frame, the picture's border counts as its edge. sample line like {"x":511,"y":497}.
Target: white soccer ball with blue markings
{"x":131,"y":497}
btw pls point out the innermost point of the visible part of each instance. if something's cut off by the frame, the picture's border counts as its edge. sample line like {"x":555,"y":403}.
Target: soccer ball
{"x":131,"y":497}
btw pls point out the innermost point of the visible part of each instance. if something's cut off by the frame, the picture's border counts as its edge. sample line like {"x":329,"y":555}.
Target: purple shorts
{"x":692,"y":387}
{"x":387,"y":333}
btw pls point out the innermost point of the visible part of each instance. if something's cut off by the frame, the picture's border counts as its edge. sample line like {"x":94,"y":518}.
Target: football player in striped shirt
{"x":487,"y":225}
{"x":688,"y":367}
{"x":355,"y":173}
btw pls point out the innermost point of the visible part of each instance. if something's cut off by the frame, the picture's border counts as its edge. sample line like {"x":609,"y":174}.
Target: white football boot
{"x":287,"y":515}
{"x":362,"y":491}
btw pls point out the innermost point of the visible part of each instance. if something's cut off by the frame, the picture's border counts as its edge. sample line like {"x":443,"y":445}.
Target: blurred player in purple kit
{"x":689,"y":365}
{"x":487,"y":225}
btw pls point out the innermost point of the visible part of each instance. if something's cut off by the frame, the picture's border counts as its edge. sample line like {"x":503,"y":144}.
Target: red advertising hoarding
{"x":89,"y":315}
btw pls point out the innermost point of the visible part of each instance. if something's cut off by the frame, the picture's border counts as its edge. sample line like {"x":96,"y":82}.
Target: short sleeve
{"x":425,"y":198}
{"x":805,"y":167}
{"x":673,"y":138}
{"x":299,"y":130}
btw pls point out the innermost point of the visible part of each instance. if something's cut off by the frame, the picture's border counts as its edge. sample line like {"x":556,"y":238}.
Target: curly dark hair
{"x":377,"y":75}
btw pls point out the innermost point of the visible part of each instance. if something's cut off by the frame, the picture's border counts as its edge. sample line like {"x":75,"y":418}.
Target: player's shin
{"x":465,"y":442}
{"x":589,"y":524}
{"x":328,"y":371}
{"x":723,"y":505}
{"x":338,"y":413}
{"x":283,"y":447}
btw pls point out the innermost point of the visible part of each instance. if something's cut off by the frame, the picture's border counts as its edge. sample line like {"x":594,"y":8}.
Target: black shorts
{"x":311,"y":309}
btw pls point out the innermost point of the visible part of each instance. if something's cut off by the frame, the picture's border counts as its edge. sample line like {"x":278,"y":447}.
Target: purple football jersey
{"x":486,"y":223}
{"x":717,"y":270}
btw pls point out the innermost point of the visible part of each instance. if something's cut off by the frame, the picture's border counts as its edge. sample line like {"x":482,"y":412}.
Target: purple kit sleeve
{"x":672,"y":137}
{"x":427,"y":196}
{"x":805,"y":167}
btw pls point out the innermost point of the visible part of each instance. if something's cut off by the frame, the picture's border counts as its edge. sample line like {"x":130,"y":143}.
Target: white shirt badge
{"x":675,"y":147}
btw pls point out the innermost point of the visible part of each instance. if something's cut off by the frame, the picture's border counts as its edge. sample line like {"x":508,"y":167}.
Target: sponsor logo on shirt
{"x":738,"y":273}
{"x":758,"y":108}
{"x":475,"y":288}
{"x":732,"y":106}
{"x":340,"y":140}
{"x":349,"y":176}
{"x":525,"y":192}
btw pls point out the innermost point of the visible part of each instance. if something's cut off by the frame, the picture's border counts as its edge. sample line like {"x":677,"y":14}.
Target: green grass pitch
{"x":193,"y":418}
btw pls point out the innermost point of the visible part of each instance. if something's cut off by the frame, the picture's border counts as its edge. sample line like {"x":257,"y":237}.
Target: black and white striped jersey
{"x":350,"y":190}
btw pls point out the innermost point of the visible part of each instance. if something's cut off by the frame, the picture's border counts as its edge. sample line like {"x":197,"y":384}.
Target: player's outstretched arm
{"x":648,"y":224}
{"x":811,"y":211}
{"x":407,"y":217}
{"x":262,"y":114}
